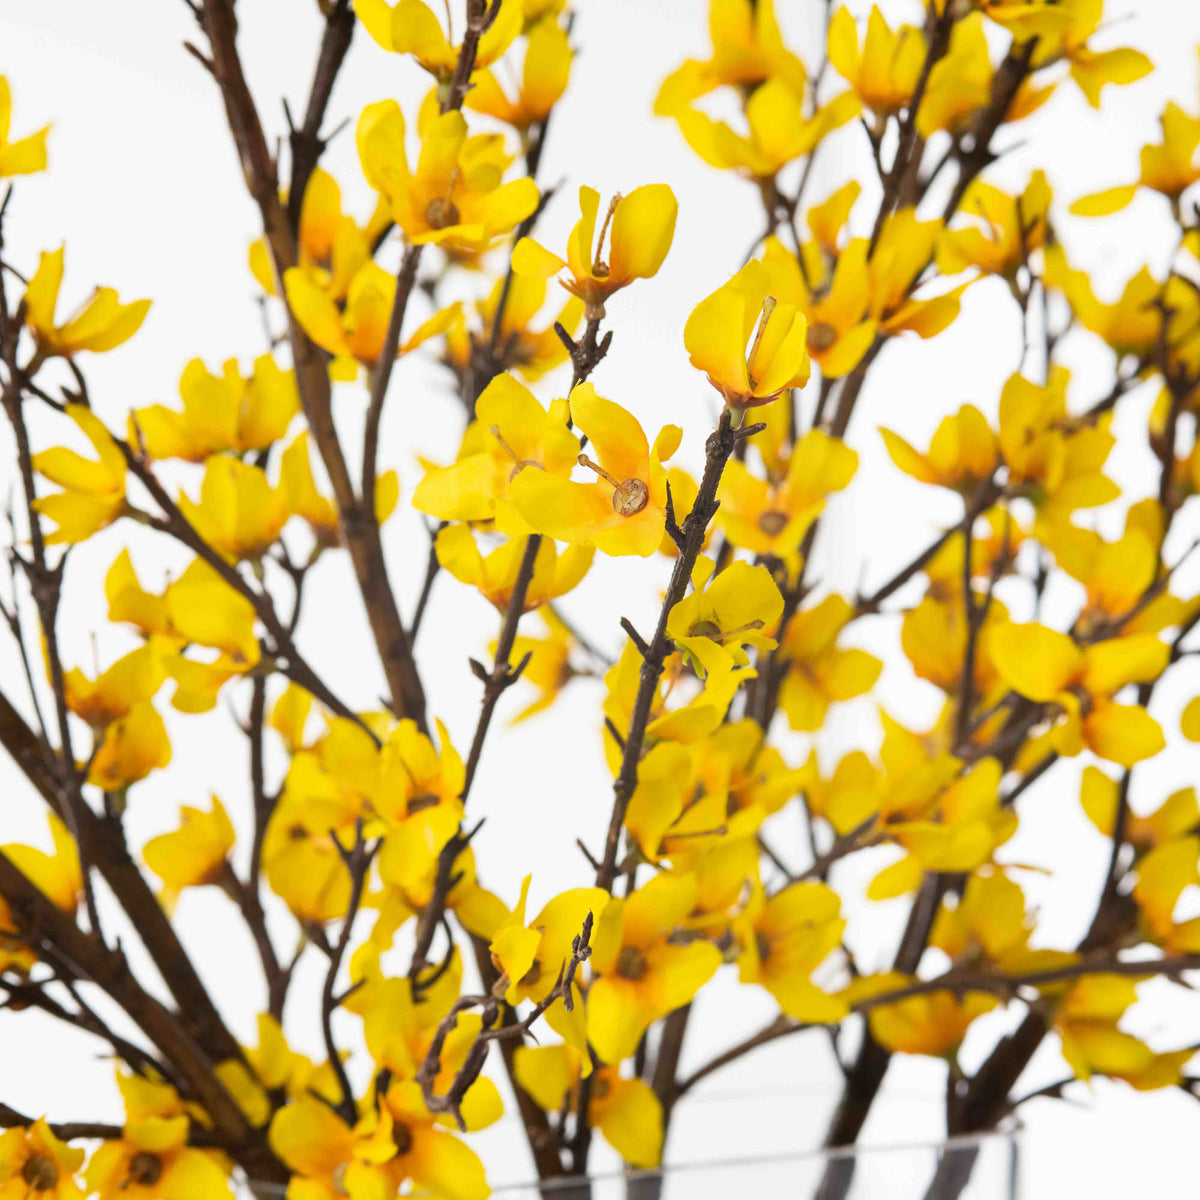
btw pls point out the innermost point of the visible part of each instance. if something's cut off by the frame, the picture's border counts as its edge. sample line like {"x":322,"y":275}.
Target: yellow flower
{"x":990,"y":920}
{"x":1130,"y":325}
{"x":933,"y":1024}
{"x":511,"y":433}
{"x":57,"y":876}
{"x":1012,"y":228}
{"x":277,"y":1065}
{"x":195,"y":853}
{"x":962,"y":454}
{"x":624,"y":510}
{"x":93,"y":494}
{"x":117,"y":705}
{"x":549,"y":668}
{"x":530,"y":958}
{"x":33,"y":1162}
{"x":960,"y":84}
{"x":783,"y":939}
{"x":840,"y":330}
{"x":331,"y":247}
{"x":198,"y":609}
{"x":626,"y":1111}
{"x":747,"y":48}
{"x":103,"y":323}
{"x":1168,"y":167}
{"x":354,"y":332}
{"x":1064,"y":37}
{"x":227,"y":412}
{"x":544,"y":75}
{"x":1086,"y":1021}
{"x":295,"y":474}
{"x":152,"y":1160}
{"x":731,"y":609}
{"x":519,"y":346}
{"x":719,"y":330}
{"x":239,"y":514}
{"x":455,"y":199}
{"x":641,"y":974}
{"x":772,"y":517}
{"x":1055,"y":461}
{"x":399,"y":1028}
{"x":778,"y":131}
{"x":642,"y":224}
{"x":819,"y":672}
{"x":554,"y":574}
{"x":26,"y":155}
{"x":1048,"y":667}
{"x":884,"y":72}
{"x":410,"y":27}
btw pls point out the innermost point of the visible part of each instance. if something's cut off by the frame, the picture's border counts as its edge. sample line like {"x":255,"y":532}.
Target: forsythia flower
{"x":747,"y":48}
{"x":626,"y":1111}
{"x":641,"y":974}
{"x":195,"y":853}
{"x":1007,"y":230}
{"x":962,"y":454}
{"x":330,"y":245}
{"x":530,"y":958}
{"x":58,"y":876}
{"x":103,"y":323}
{"x":772,"y":517}
{"x":1169,"y":168}
{"x":26,"y":155}
{"x":554,"y":574}
{"x":239,"y":513}
{"x":512,"y":433}
{"x":354,"y":332}
{"x":33,"y":1162}
{"x":820,"y":673}
{"x":778,"y":131}
{"x":528,"y":351}
{"x":93,"y":494}
{"x":933,"y":1024}
{"x":720,"y":327}
{"x":730,"y":609}
{"x":227,"y":412}
{"x":455,"y":198}
{"x":624,"y":511}
{"x":884,"y":71}
{"x":642,"y":224}
{"x":152,"y":1160}
{"x":961,"y":82}
{"x":1044,"y":665}
{"x":410,"y":27}
{"x":543,"y":80}
{"x":783,"y":939}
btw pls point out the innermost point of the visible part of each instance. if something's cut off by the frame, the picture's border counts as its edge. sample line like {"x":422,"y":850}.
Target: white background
{"x":145,"y":189}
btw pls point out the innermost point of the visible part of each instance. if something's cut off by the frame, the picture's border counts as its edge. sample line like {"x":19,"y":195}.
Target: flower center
{"x":632,"y":964}
{"x":338,"y":1179}
{"x":706,"y":629}
{"x":521,"y":463}
{"x":773,"y":522}
{"x":629,"y":496}
{"x":763,"y":945}
{"x":441,"y":212}
{"x":402,"y":1136}
{"x":533,"y":974}
{"x":40,"y":1172}
{"x":422,"y":801}
{"x":599,"y":266}
{"x":821,"y":335}
{"x":145,"y":1169}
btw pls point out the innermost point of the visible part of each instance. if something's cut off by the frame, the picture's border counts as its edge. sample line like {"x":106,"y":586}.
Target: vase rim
{"x":1009,"y":1129}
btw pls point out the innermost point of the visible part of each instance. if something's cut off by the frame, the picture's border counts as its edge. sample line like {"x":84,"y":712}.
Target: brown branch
{"x":312,"y":378}
{"x":718,"y":449}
